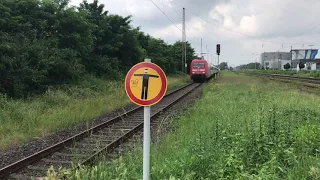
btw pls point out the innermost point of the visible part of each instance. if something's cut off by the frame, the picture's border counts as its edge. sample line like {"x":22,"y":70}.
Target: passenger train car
{"x":201,"y":70}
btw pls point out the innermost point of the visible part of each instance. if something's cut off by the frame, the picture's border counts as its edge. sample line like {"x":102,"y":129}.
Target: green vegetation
{"x":301,"y":73}
{"x":287,"y":66}
{"x":60,"y":65}
{"x":175,"y":80}
{"x":250,"y":66}
{"x":242,"y":128}
{"x":22,"y":120}
{"x":46,"y":43}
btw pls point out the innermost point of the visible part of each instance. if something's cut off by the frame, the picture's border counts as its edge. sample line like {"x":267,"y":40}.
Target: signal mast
{"x":201,"y":50}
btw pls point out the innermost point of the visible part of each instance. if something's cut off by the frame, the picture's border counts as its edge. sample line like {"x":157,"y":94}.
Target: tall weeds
{"x":240,"y":129}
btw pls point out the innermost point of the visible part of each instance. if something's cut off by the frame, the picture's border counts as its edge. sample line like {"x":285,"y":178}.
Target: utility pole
{"x":218,"y":53}
{"x":207,"y":53}
{"x":291,"y":58}
{"x":201,"y":51}
{"x":212,"y":60}
{"x":184,"y":54}
{"x":255,"y":65}
{"x":311,"y":46}
{"x":309,"y":63}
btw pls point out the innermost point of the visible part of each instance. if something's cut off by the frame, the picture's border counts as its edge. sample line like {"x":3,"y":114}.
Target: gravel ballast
{"x":19,"y":152}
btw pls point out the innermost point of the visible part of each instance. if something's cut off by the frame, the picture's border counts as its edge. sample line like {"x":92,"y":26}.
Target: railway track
{"x":87,"y":146}
{"x":307,"y":81}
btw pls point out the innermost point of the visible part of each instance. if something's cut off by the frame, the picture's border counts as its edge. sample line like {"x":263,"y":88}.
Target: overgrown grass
{"x":302,"y":73}
{"x":242,"y":128}
{"x":175,"y":80}
{"x":22,"y":120}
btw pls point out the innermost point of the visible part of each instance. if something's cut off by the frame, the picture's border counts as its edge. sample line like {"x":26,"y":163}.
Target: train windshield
{"x":198,"y":64}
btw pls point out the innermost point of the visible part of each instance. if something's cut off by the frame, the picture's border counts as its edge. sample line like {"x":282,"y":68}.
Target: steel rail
{"x":308,"y":79}
{"x":13,"y":167}
{"x":117,"y":142}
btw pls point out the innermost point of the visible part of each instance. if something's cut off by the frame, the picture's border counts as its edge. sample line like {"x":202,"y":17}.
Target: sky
{"x":243,"y":28}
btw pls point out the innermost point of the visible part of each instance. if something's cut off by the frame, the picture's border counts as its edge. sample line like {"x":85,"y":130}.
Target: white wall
{"x":301,"y":53}
{"x":298,"y":54}
{"x":313,"y":66}
{"x":273,"y":64}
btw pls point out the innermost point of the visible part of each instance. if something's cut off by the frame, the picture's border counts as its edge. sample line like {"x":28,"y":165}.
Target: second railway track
{"x":84,"y":147}
{"x":308,"y":81}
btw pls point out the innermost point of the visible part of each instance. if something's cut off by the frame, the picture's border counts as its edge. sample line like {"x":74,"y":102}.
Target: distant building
{"x":271,"y":64}
{"x":273,"y":60}
{"x":310,"y":64}
{"x":307,"y":57}
{"x":275,"y":64}
{"x":304,"y":54}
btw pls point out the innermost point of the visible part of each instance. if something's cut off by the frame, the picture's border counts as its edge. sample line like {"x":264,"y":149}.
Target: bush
{"x":46,"y":43}
{"x":286,"y":66}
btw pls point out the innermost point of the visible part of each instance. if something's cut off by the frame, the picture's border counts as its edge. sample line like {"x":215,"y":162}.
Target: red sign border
{"x":162,"y":77}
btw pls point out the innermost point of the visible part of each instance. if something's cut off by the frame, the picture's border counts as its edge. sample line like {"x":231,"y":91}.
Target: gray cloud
{"x":272,"y":20}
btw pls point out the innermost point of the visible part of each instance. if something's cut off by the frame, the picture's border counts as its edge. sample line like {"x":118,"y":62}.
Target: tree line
{"x":48,"y":43}
{"x":255,"y":65}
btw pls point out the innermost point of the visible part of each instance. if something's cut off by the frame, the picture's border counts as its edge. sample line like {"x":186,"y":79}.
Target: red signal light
{"x":218,"y":49}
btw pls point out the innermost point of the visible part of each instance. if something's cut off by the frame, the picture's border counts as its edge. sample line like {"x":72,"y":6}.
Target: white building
{"x":313,"y":64}
{"x":271,"y":64}
{"x":307,"y":57}
{"x":272,"y":56}
{"x":304,"y":53}
{"x":276,"y":64}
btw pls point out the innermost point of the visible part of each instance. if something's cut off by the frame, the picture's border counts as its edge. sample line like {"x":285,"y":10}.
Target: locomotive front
{"x":199,"y":70}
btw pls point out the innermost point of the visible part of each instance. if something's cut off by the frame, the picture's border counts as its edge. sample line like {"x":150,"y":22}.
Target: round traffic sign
{"x":146,"y":84}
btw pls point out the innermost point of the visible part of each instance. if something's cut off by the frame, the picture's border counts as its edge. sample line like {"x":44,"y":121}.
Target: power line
{"x":165,"y":15}
{"x":184,"y":38}
{"x":169,"y":18}
{"x":262,"y":39}
{"x":182,"y":20}
{"x":185,"y":24}
{"x":233,"y":30}
{"x":309,"y":30}
{"x":304,"y":41}
{"x":228,"y":29}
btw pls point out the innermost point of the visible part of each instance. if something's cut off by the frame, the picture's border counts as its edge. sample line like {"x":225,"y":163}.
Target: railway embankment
{"x":66,"y":110}
{"x":242,"y":128}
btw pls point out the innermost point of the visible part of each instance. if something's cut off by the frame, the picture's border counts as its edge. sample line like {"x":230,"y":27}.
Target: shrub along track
{"x":86,"y":146}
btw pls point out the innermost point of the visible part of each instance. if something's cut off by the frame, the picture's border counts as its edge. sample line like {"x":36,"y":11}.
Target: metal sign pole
{"x":218,"y":66}
{"x":146,"y":140}
{"x":139,"y":74}
{"x":146,"y":144}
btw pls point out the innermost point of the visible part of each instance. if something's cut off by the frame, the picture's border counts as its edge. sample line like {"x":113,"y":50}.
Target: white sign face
{"x":185,"y":65}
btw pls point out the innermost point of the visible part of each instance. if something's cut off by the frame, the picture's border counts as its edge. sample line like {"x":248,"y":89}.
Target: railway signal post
{"x":218,"y":52}
{"x":146,"y":84}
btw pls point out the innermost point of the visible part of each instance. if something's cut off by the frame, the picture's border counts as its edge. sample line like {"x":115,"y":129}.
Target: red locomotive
{"x":201,"y":70}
